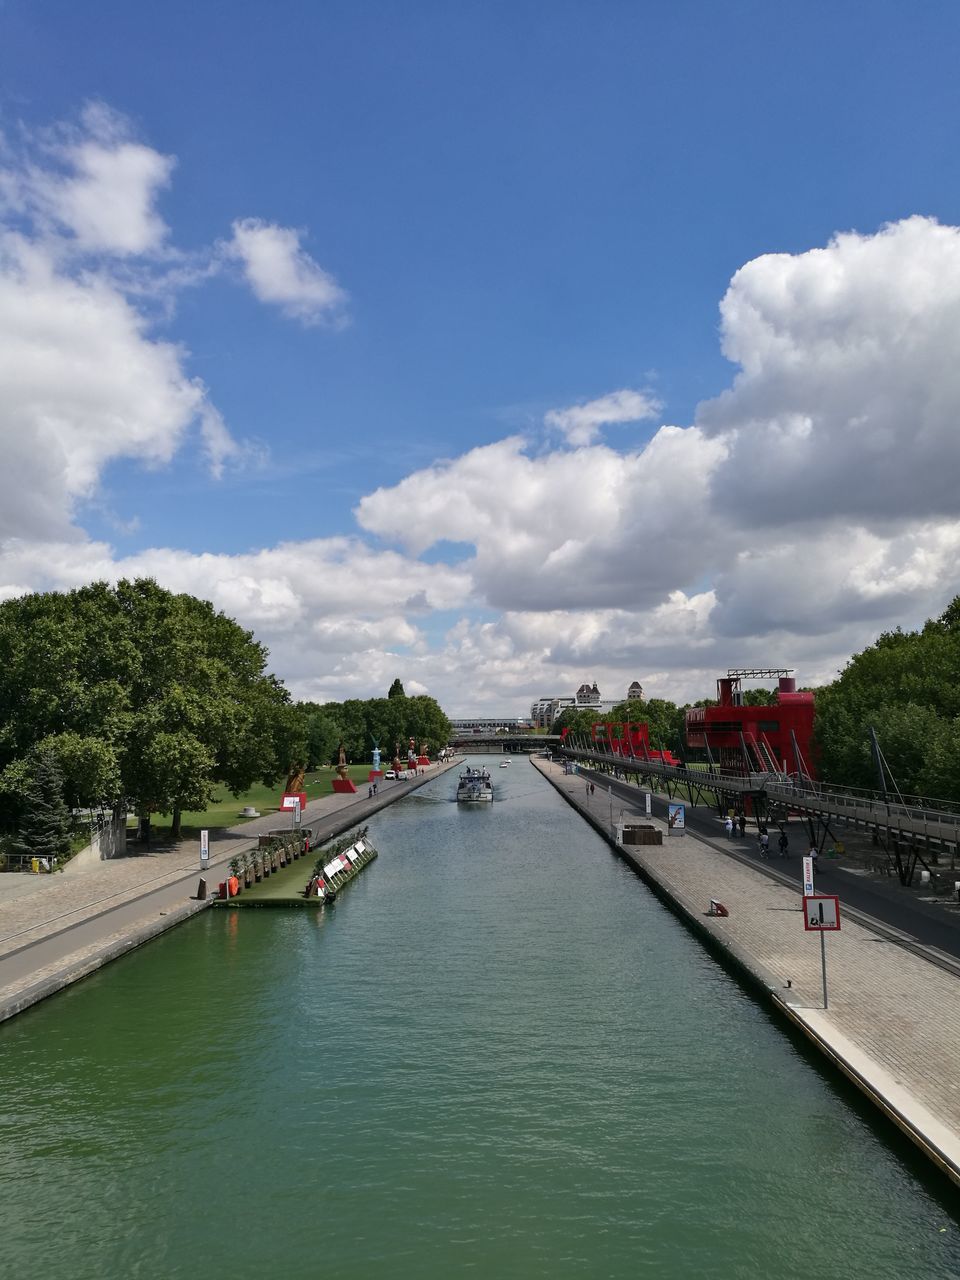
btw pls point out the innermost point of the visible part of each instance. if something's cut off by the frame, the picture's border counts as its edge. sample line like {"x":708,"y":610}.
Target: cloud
{"x":847,"y":399}
{"x":580,"y":424}
{"x":592,"y":528}
{"x":86,"y":269}
{"x":98,"y":185}
{"x":82,"y":383}
{"x":332,"y":611}
{"x":808,"y":507}
{"x":281,"y":272}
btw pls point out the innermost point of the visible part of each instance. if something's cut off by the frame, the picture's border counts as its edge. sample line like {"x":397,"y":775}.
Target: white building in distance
{"x":545,"y":711}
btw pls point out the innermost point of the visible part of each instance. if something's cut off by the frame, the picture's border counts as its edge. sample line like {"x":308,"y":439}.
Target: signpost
{"x":296,"y":813}
{"x":676,"y":819}
{"x":821,"y":914}
{"x":204,"y":850}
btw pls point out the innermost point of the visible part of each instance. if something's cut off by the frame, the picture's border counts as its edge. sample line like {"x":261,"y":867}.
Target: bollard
{"x":202,"y":890}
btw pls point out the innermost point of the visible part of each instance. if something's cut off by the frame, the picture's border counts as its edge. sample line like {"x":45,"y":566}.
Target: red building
{"x":775,"y":738}
{"x":631,"y":740}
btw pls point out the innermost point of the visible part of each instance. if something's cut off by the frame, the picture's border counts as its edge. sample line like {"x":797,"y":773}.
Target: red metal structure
{"x":775,"y":738}
{"x":630,"y":740}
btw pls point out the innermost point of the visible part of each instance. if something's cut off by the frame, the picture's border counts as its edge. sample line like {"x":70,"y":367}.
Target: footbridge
{"x":909,"y":829}
{"x":472,"y":743}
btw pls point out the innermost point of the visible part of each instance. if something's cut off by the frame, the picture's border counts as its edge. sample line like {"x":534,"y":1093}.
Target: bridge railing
{"x":937,"y":817}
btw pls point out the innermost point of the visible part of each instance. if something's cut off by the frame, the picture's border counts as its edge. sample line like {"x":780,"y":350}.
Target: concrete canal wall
{"x":893,"y":1022}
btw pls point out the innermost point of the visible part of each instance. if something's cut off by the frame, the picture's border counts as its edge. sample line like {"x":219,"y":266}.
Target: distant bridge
{"x":485,"y":743}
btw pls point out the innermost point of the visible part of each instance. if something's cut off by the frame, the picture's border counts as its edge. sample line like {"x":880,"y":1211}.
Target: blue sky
{"x":525,"y":208}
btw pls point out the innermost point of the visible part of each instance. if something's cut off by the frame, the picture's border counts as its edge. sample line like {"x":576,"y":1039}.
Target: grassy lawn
{"x":225,"y":811}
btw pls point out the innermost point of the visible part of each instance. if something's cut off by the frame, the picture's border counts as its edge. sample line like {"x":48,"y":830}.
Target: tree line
{"x":133,"y":697}
{"x":360,"y":723}
{"x":906,"y":687}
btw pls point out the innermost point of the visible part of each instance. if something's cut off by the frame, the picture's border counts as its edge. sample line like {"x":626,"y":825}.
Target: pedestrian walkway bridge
{"x":906,"y":827}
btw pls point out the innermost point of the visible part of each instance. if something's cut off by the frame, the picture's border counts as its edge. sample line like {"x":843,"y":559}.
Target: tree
{"x":759,"y":697}
{"x":577,"y":721}
{"x":147,"y":697}
{"x":323,"y":733}
{"x":906,"y":686}
{"x":396,"y":689}
{"x":45,"y":819}
{"x":359,"y":724}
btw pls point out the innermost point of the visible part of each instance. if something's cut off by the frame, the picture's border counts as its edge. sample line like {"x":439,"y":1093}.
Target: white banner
{"x":331,"y":868}
{"x":807,"y":877}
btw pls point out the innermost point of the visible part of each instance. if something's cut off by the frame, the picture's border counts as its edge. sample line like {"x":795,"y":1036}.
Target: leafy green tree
{"x":578,"y":722}
{"x":759,"y":697}
{"x":906,"y":686}
{"x":396,"y":689}
{"x":128,"y":668}
{"x":323,"y":733}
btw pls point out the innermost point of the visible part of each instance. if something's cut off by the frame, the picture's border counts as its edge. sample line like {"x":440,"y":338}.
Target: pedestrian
{"x":783,"y":842}
{"x":814,"y":853}
{"x":764,"y":842}
{"x":728,"y":826}
{"x":592,"y":788}
{"x":742,"y":824}
{"x":370,"y":792}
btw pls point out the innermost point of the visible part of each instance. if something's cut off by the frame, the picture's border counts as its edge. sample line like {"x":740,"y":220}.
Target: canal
{"x":496,"y":1055}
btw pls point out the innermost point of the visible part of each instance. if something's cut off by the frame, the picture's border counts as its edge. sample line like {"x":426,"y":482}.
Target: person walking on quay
{"x":742,"y":823}
{"x":764,"y":842}
{"x":592,"y":788}
{"x":728,"y":826}
{"x":814,"y":852}
{"x":783,"y":842}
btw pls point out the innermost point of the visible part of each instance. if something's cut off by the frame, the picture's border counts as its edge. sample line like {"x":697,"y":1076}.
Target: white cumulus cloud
{"x":280,"y":271}
{"x":95,"y":184}
{"x":580,"y":424}
{"x":847,"y":400}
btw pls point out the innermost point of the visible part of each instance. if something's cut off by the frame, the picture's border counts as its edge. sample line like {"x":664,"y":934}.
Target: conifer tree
{"x":45,"y":821}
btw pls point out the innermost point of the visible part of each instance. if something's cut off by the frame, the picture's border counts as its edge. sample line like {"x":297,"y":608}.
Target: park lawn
{"x":226,"y":809}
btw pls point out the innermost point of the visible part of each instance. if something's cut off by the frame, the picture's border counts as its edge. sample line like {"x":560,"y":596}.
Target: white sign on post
{"x":296,"y":813}
{"x":821,"y":913}
{"x":647,"y":803}
{"x":204,"y":850}
{"x":807,"y":876}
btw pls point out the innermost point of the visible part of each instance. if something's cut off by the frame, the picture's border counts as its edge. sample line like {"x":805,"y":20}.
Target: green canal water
{"x":496,"y":1055}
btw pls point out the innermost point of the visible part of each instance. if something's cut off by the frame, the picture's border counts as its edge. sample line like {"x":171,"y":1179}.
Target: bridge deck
{"x":933,"y":825}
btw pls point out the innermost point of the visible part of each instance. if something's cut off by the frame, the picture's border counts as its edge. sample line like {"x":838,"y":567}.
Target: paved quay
{"x":893,"y":1022}
{"x":56,"y":929}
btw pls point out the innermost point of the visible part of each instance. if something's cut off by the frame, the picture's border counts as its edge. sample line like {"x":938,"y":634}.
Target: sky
{"x":495,"y":346}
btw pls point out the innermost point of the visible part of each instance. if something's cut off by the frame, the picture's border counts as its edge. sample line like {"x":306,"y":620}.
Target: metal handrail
{"x":826,"y":795}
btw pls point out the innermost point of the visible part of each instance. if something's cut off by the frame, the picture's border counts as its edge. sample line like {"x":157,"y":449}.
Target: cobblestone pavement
{"x":896,"y":1009}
